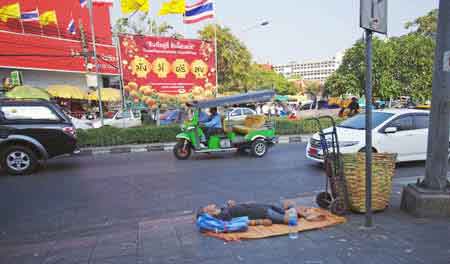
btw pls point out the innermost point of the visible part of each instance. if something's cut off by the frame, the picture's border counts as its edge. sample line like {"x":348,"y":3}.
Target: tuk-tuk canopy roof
{"x":252,"y":97}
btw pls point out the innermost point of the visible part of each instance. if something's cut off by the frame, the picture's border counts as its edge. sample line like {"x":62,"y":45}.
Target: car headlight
{"x":344,"y":144}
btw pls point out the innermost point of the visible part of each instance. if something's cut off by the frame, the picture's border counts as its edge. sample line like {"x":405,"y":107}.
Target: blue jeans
{"x":276,"y":216}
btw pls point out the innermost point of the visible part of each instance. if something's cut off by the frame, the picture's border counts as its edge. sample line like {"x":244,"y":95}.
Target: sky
{"x":299,"y":30}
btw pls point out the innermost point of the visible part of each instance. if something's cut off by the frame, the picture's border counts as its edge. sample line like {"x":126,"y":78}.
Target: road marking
{"x":135,"y":150}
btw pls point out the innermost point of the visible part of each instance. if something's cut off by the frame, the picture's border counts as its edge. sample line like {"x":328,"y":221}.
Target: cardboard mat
{"x":258,"y":232}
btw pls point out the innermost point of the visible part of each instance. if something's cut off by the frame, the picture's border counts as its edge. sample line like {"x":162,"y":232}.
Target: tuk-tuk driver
{"x":213,"y":125}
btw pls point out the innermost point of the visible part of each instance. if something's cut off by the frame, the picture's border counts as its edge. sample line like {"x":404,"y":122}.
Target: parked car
{"x":239,"y":113}
{"x":122,"y":119}
{"x":400,"y":131}
{"x":310,"y":105}
{"x":172,"y":117}
{"x":33,"y":131}
{"x":81,"y":123}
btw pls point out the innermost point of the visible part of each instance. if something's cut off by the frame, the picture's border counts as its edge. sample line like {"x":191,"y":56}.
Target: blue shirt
{"x":203,"y":117}
{"x":214,"y":122}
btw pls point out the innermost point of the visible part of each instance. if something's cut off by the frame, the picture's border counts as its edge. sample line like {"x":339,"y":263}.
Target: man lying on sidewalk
{"x":259,"y":214}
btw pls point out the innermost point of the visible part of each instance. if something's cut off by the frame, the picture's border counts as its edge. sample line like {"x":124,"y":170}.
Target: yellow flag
{"x":48,"y":18}
{"x":131,"y":6}
{"x":10,"y":11}
{"x":173,"y":7}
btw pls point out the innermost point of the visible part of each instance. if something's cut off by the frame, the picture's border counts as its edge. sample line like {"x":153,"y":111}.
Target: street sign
{"x":446,"y":61}
{"x":92,"y":80}
{"x":373,"y":15}
{"x":16,"y":78}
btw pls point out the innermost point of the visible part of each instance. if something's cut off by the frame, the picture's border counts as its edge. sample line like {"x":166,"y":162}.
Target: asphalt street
{"x":81,"y":195}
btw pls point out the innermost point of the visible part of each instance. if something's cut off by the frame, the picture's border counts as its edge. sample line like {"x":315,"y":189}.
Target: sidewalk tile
{"x":130,"y":259}
{"x":69,"y":256}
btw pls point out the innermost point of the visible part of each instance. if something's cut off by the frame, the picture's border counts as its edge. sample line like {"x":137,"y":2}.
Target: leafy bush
{"x":111,"y":136}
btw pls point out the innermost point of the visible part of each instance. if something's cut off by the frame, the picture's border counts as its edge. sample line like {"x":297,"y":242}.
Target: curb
{"x":165,"y":147}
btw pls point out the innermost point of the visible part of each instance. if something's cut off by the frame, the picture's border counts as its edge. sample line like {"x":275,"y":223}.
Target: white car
{"x":122,"y":119}
{"x":400,"y":131}
{"x":81,"y":123}
{"x":239,"y":113}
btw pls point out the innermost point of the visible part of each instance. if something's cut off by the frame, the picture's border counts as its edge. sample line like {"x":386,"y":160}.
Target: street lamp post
{"x":262,"y":24}
{"x":431,"y":197}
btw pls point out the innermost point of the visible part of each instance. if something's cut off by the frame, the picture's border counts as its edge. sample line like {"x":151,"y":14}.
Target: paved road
{"x":84,"y":194}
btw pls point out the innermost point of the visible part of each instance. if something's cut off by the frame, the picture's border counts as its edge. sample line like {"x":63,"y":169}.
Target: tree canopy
{"x":401,"y":65}
{"x":236,"y":69}
{"x":143,"y":24}
{"x":424,"y":25}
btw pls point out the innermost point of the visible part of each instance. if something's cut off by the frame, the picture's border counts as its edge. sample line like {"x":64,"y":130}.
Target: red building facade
{"x":52,"y":49}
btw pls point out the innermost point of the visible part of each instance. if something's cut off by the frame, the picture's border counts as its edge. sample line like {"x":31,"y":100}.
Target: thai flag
{"x":83,"y":3}
{"x":29,"y":16}
{"x":71,"y":27}
{"x":197,"y":12}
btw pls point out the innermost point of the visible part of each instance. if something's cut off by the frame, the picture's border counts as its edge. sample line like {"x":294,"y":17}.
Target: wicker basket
{"x":383,"y":169}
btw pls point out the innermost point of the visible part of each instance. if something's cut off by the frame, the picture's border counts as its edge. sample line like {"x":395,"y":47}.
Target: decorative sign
{"x":180,"y":68}
{"x":168,"y":65}
{"x":199,"y":69}
{"x":140,"y":67}
{"x":161,"y":67}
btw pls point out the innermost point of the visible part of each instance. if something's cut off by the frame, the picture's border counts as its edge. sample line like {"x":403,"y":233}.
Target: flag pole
{"x":215,"y":49}
{"x":184,"y":25}
{"x":40,"y":25}
{"x":21,"y":24}
{"x":39,"y":16}
{"x":57,"y":29}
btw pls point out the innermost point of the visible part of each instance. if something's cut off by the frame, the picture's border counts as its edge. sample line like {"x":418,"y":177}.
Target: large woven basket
{"x":383,"y":169}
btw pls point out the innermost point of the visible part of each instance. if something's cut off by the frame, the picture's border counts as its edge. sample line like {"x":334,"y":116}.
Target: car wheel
{"x":364,"y":150}
{"x":259,"y":148}
{"x":19,"y":160}
{"x":182,"y":150}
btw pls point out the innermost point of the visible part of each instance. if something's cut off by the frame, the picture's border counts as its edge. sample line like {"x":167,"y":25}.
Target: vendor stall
{"x":27,"y":92}
{"x":72,"y":98}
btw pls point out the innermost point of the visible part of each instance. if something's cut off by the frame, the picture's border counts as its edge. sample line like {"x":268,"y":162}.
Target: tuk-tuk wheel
{"x":259,"y":148}
{"x":182,"y":150}
{"x":324,"y":200}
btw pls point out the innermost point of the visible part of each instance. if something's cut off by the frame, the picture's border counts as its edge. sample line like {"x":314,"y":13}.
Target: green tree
{"x":401,"y":66}
{"x":143,"y":24}
{"x":315,"y":89}
{"x":424,"y":25}
{"x":234,"y":59}
{"x":261,"y":78}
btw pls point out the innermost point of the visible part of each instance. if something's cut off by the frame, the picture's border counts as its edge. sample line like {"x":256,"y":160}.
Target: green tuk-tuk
{"x":256,"y":135}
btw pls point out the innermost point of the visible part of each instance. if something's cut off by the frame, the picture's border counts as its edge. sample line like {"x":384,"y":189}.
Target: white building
{"x":317,"y":70}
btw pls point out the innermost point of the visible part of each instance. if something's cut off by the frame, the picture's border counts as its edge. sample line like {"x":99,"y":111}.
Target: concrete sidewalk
{"x":397,"y":238}
{"x":292,"y":139}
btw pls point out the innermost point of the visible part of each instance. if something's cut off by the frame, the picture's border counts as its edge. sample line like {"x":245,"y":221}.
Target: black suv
{"x":32,"y":131}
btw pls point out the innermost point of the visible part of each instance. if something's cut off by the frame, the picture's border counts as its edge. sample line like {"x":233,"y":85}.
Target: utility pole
{"x":431,"y":197}
{"x":84,"y":44}
{"x":437,"y":155}
{"x":94,"y":51}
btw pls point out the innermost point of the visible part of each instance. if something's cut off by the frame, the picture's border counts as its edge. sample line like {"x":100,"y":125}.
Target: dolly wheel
{"x":323,"y":200}
{"x":337,"y":206}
